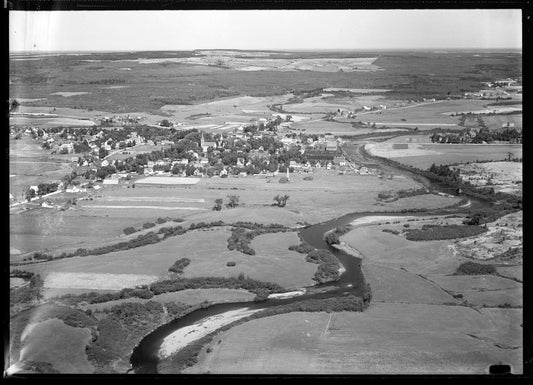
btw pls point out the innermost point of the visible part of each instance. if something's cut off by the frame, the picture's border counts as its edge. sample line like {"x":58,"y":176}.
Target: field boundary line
{"x":327,"y":326}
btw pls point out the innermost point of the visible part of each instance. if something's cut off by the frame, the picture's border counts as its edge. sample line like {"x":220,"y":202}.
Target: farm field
{"x":48,"y":229}
{"x":386,"y":338}
{"x":424,"y":155}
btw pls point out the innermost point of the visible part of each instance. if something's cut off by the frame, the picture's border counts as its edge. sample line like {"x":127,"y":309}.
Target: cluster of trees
{"x":239,"y":282}
{"x":242,"y":235}
{"x":179,"y":265}
{"x":82,"y":146}
{"x":27,"y":293}
{"x":484,"y":135}
{"x":302,"y":248}
{"x":16,"y":273}
{"x":328,"y":265}
{"x":395,"y":232}
{"x":430,"y":232}
{"x":121,"y":330}
{"x":333,"y":237}
{"x":473,"y":268}
{"x":281,"y":200}
{"x":445,"y":171}
{"x":42,"y":189}
{"x":233,"y":201}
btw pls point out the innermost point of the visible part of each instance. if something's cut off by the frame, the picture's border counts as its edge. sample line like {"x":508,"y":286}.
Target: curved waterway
{"x":145,"y":356}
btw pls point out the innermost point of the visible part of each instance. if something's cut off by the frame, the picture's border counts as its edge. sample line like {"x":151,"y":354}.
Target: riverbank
{"x":184,"y":336}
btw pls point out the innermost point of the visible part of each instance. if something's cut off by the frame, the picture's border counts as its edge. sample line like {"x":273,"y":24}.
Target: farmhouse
{"x":331,"y":146}
{"x":108,"y":182}
{"x":339,"y":160}
{"x":68,"y":147}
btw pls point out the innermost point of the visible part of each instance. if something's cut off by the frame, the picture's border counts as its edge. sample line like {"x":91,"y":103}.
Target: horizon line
{"x":277,"y":50}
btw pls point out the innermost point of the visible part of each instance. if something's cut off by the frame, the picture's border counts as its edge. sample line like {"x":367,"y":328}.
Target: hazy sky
{"x":267,"y":29}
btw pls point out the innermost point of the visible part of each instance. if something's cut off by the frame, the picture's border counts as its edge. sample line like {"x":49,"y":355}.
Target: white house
{"x":110,"y":182}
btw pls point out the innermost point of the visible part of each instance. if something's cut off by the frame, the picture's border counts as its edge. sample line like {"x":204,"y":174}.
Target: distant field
{"x":153,"y":84}
{"x":426,"y":115}
{"x":424,"y":155}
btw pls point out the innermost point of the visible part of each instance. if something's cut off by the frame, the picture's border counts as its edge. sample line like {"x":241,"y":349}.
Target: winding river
{"x":145,"y":356}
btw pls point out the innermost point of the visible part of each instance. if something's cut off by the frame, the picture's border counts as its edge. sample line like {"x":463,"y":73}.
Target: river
{"x":145,"y":356}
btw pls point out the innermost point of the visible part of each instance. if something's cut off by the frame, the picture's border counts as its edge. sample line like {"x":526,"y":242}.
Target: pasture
{"x":387,"y":338}
{"x":61,"y":345}
{"x":389,"y":257}
{"x":207,"y":251}
{"x":49,"y":229}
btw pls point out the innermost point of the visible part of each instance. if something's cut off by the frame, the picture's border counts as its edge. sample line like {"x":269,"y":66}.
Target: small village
{"x":101,"y":157}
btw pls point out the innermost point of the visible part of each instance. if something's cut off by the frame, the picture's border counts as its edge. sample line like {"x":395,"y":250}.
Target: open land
{"x":385,"y":339}
{"x":423,"y":318}
{"x":412,"y":286}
